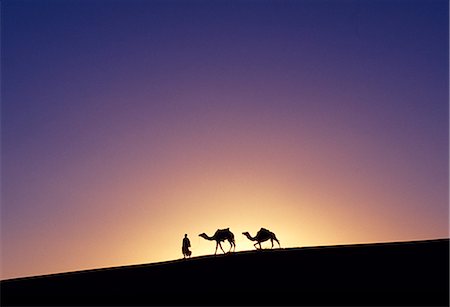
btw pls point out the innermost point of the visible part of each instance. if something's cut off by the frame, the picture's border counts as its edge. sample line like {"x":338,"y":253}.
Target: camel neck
{"x":250,"y":237}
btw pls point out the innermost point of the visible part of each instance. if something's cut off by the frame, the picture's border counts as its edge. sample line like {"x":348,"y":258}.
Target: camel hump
{"x":223,"y":231}
{"x":226,"y":230}
{"x":266,"y":232}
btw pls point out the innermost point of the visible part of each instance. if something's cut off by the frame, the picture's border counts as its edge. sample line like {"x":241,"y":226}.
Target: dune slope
{"x":405,"y":273}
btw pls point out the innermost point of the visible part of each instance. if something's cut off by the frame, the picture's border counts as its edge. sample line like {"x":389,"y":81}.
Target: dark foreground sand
{"x":407,"y":273}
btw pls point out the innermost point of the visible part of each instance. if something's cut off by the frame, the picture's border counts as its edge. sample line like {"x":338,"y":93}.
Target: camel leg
{"x":231,"y":246}
{"x":278,"y":242}
{"x":217,"y":244}
{"x":221,"y":248}
{"x":271,"y":241}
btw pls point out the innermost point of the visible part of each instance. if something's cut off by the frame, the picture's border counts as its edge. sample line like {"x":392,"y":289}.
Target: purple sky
{"x":118,"y":114}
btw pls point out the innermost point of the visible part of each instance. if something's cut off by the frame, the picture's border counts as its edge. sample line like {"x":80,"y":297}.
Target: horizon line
{"x":217,"y":255}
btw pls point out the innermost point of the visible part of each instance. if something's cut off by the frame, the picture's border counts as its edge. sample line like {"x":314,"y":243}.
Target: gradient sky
{"x":126,"y":124}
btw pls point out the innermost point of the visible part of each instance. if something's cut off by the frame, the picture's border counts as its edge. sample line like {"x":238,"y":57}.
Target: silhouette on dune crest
{"x":262,"y":236}
{"x":185,"y":247}
{"x":219,"y":236}
{"x":383,"y":274}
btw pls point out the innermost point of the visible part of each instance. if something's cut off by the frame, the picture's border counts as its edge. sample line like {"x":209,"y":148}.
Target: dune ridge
{"x":396,"y":273}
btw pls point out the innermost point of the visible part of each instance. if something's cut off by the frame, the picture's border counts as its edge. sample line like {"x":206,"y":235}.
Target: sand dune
{"x":406,"y":273}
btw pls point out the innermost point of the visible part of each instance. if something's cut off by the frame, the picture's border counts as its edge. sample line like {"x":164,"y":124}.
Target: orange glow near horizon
{"x":126,"y":124}
{"x":200,"y":194}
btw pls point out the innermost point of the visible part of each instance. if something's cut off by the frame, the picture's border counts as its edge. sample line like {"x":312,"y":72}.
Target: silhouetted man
{"x":185,"y":248}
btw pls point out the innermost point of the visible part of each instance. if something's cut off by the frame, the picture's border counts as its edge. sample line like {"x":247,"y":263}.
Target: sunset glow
{"x":126,"y":124}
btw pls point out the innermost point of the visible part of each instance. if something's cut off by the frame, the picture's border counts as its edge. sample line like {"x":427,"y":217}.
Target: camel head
{"x":205,"y":236}
{"x":249,"y":236}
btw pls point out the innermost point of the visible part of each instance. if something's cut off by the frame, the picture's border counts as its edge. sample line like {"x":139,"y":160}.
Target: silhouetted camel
{"x":262,"y":236}
{"x":219,"y":236}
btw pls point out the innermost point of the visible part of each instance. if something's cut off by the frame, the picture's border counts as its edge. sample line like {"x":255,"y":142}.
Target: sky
{"x":126,"y":124}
